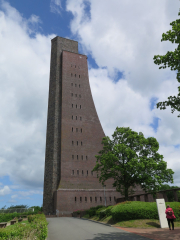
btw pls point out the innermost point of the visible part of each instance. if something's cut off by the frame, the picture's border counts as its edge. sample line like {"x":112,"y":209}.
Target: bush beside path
{"x":131,"y":214}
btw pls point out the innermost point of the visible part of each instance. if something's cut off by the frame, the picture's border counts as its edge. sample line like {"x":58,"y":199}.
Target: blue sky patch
{"x":155,"y":123}
{"x":153,"y":102}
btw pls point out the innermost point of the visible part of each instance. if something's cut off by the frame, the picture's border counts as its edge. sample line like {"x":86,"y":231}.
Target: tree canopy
{"x":172,"y":60}
{"x":170,"y":194}
{"x":131,"y":160}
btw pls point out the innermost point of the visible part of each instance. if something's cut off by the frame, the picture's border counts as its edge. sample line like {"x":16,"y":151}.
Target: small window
{"x":76,"y":129}
{"x":72,"y":129}
{"x":114,"y":198}
{"x":77,"y":143}
{"x":75,"y":85}
{"x":77,"y":157}
{"x":79,"y":76}
{"x":95,"y":199}
{"x":76,"y":117}
{"x":72,"y":94}
{"x":81,"y":143}
{"x":80,"y":118}
{"x":71,"y":74}
{"x":80,"y":199}
{"x":75,"y":66}
{"x":86,"y":158}
{"x":100,"y":199}
{"x":71,"y":84}
{"x":80,"y":106}
{"x":72,"y":117}
{"x":82,"y":172}
{"x":110,"y":199}
{"x":72,"y":105}
{"x":72,"y":142}
{"x":85,"y":199}
{"x":82,"y":157}
{"x":81,"y":130}
{"x":75,"y":95}
{"x":76,"y":105}
{"x":90,"y":199}
{"x":80,"y":95}
{"x":75,"y":75}
{"x":71,"y":65}
{"x":87,"y":172}
{"x":72,"y":156}
{"x":92,"y":173}
{"x":77,"y":172}
{"x":75,"y":199}
{"x":79,"y":85}
{"x":72,"y":172}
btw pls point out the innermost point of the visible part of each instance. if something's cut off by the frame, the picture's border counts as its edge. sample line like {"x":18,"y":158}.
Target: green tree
{"x":131,"y":160}
{"x":18,"y":206}
{"x":170,"y":194}
{"x":172,"y":60}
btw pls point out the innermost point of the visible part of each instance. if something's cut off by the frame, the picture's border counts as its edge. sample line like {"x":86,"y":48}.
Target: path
{"x":67,"y":228}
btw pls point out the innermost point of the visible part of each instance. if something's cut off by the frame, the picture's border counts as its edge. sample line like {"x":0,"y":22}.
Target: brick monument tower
{"x":73,"y":137}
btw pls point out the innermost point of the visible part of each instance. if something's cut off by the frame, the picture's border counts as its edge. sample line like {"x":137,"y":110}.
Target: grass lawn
{"x":140,"y":223}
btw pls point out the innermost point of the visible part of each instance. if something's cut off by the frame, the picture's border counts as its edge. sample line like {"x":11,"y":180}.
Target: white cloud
{"x":55,"y":6}
{"x":124,"y":36}
{"x":5,"y":191}
{"x":24,"y":80}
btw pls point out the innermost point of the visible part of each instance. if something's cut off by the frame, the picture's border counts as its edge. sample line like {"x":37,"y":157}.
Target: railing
{"x":18,"y":210}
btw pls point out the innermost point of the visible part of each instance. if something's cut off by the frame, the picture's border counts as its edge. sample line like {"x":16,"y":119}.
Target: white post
{"x":161,"y":212}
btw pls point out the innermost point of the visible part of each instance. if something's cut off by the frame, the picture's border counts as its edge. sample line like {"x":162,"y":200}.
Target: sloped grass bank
{"x":131,"y":214}
{"x":35,"y":228}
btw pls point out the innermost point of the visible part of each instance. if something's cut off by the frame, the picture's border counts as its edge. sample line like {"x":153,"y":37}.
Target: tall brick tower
{"x":74,"y":136}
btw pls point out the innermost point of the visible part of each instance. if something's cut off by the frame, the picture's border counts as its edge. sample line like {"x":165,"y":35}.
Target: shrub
{"x":92,"y":210}
{"x":134,"y":210}
{"x":31,"y":218}
{"x":37,"y":226}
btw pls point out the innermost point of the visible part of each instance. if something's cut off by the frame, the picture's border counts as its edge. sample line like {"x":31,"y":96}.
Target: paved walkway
{"x":67,"y":228}
{"x":155,"y":233}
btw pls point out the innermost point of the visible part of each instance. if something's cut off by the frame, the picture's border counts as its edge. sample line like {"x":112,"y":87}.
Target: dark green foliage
{"x":171,"y":59}
{"x":17,"y":206}
{"x":131,"y":160}
{"x":37,"y":227}
{"x":170,"y":194}
{"x":104,"y":212}
{"x":37,"y":209}
{"x":92,"y":211}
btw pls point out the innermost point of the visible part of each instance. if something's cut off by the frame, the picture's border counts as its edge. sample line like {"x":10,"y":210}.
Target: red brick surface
{"x":74,"y":136}
{"x":156,"y":233}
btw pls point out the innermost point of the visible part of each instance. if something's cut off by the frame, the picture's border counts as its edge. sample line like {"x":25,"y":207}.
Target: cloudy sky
{"x":120,"y":39}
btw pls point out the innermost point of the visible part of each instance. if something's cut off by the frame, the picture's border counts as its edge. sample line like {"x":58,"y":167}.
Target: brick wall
{"x":74,"y":135}
{"x":70,"y":200}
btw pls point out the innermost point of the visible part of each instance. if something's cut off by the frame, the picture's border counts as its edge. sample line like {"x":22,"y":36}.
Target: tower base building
{"x":74,"y":136}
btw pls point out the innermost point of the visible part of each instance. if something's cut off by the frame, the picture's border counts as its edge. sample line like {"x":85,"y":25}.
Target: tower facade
{"x":74,"y":136}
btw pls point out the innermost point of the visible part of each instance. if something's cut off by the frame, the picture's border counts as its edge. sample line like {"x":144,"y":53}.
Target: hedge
{"x":140,"y":210}
{"x":132,"y":210}
{"x":37,"y":226}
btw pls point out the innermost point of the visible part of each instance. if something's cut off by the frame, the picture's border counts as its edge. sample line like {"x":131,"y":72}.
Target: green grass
{"x":132,"y":214}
